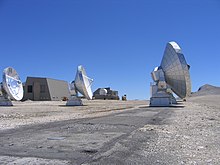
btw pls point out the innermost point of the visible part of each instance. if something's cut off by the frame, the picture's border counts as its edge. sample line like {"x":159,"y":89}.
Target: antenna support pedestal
{"x":5,"y":102}
{"x":161,"y":94}
{"x":162,"y":99}
{"x":73,"y":101}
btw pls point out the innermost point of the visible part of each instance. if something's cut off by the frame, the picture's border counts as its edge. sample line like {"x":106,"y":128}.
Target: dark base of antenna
{"x":162,"y":101}
{"x":5,"y":102}
{"x":74,"y":101}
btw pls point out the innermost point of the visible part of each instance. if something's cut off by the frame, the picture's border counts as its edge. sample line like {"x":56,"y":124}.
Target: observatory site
{"x":167,"y":129}
{"x":109,"y":82}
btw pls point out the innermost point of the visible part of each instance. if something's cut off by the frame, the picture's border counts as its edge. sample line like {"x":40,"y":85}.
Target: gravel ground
{"x":38,"y":112}
{"x":189,"y":135}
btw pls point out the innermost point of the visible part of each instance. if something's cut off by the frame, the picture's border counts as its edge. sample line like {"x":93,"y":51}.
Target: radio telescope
{"x":11,"y":87}
{"x":103,"y":92}
{"x":171,"y":76}
{"x":81,"y":84}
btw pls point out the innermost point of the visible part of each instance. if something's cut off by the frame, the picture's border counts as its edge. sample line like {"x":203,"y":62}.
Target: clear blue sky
{"x":119,"y":42}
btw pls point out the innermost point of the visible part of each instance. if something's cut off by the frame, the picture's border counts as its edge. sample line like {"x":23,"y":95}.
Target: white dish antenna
{"x":11,"y":86}
{"x":81,"y":84}
{"x":171,"y":75}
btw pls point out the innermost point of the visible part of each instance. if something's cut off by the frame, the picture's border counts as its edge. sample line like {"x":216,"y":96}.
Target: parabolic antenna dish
{"x":176,"y":70}
{"x":103,"y":92}
{"x":83,"y":83}
{"x":171,"y":76}
{"x":12,"y":83}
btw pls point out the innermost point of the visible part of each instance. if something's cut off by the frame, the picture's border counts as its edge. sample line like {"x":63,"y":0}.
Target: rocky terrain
{"x":191,"y":135}
{"x":207,"y":90}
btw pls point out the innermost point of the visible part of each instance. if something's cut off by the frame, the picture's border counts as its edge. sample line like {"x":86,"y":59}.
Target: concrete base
{"x":162,"y":99}
{"x":5,"y":102}
{"x":74,"y":101}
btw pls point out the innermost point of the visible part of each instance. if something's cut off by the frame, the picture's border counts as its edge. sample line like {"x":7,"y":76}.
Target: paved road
{"x":112,"y":139}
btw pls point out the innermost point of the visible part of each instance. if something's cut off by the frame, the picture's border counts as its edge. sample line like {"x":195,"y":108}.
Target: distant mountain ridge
{"x":207,"y":89}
